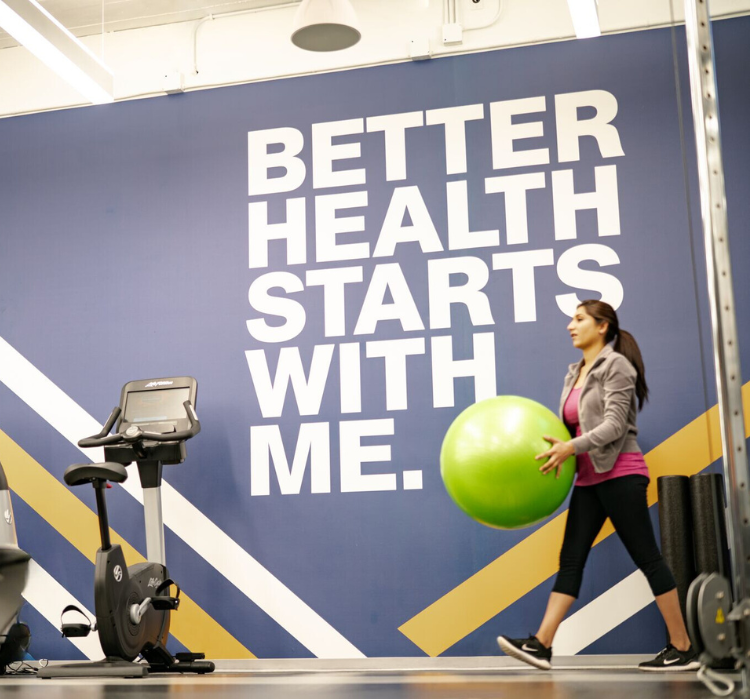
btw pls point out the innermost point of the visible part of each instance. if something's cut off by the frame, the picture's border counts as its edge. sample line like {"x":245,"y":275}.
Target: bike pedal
{"x":165,"y":602}
{"x":75,"y":630}
{"x":189,"y":657}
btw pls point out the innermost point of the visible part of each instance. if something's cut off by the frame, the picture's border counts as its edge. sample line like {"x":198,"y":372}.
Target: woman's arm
{"x":618,"y":388}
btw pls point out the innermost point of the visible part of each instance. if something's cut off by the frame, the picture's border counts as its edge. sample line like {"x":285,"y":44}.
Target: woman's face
{"x":584,"y":330}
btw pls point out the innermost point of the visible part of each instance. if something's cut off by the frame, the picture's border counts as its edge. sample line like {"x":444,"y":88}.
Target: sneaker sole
{"x":690,"y":667}
{"x":518,"y":654}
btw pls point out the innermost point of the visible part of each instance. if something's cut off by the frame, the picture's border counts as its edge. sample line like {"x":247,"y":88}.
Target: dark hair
{"x":625,"y":343}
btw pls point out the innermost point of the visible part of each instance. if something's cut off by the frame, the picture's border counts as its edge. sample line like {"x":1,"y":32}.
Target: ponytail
{"x":624,"y":343}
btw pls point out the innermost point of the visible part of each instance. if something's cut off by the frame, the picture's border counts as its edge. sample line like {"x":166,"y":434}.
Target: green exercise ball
{"x":488,"y":466}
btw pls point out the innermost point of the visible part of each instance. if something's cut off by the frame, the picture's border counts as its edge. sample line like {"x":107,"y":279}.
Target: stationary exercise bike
{"x":14,"y":568}
{"x":133,"y":604}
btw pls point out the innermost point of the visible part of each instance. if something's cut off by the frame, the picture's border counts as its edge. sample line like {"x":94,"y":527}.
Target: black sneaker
{"x":530,"y":650}
{"x":672,"y":660}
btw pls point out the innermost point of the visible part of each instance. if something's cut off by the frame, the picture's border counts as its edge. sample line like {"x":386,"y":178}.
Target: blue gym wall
{"x":124,"y":255}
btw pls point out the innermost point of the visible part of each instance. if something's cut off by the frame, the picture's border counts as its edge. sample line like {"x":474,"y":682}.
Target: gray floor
{"x":593,"y":677}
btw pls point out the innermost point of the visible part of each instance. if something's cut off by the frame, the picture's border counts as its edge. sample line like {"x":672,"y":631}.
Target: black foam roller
{"x":709,"y":524}
{"x":676,"y":526}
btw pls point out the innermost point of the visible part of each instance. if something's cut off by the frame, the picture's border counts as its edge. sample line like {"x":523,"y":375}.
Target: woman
{"x":600,"y":399}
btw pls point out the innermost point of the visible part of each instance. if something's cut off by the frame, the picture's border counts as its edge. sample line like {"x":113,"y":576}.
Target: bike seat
{"x":77,"y":474}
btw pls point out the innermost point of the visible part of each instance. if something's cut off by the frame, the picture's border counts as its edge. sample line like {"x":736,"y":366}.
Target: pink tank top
{"x":627,"y":464}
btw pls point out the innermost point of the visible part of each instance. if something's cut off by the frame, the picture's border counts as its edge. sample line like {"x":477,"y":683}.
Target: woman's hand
{"x":559,"y":452}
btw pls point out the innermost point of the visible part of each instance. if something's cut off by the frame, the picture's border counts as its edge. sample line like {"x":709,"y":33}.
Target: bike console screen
{"x":157,"y":405}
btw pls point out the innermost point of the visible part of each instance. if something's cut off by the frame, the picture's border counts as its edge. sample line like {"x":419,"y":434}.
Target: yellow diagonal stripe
{"x":535,"y":559}
{"x":191,"y":625}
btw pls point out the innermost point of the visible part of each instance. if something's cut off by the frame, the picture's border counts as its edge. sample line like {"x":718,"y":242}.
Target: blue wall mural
{"x":345,"y":262}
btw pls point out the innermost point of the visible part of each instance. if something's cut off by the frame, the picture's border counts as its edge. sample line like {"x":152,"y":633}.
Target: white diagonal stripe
{"x":183,"y":518}
{"x":601,"y":615}
{"x":49,"y":598}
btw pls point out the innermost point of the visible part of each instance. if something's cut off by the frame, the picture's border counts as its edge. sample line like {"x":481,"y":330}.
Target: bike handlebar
{"x":104,"y":438}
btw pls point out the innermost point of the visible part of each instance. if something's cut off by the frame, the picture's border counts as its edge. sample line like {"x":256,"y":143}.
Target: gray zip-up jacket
{"x":607,"y":408}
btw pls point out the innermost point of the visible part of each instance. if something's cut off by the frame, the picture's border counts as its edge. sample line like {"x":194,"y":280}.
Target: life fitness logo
{"x":153,"y":384}
{"x":117,"y":572}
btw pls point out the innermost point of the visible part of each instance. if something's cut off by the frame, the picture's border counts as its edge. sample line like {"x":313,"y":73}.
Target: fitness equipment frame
{"x":133,"y":604}
{"x":719,"y":611}
{"x":14,"y":568}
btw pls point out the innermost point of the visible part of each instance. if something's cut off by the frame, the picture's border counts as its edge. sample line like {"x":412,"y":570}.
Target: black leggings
{"x":624,"y":501}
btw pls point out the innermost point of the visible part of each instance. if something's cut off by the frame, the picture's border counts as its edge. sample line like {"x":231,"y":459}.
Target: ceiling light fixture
{"x":325,"y":25}
{"x":33,"y":27}
{"x":585,"y":18}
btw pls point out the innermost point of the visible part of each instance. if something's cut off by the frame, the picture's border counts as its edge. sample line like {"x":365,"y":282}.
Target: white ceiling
{"x":154,"y":46}
{"x":86,"y":17}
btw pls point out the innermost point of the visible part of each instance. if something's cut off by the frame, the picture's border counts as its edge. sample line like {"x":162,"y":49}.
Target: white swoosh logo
{"x":670,"y":662}
{"x":532,"y":650}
